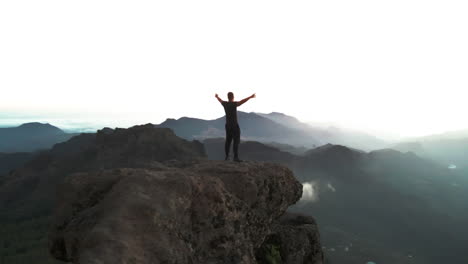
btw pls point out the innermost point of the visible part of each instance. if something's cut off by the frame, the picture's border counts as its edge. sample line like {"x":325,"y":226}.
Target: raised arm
{"x":219,"y":99}
{"x":241,"y":102}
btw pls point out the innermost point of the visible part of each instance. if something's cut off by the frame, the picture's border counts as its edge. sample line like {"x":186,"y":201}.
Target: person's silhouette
{"x":232,"y":127}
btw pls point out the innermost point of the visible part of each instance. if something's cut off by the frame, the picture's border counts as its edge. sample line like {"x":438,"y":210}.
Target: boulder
{"x":294,"y":239}
{"x":177,"y":212}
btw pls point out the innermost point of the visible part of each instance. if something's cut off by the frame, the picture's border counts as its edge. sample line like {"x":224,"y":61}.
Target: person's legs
{"x":227,"y":144}
{"x":236,"y":137}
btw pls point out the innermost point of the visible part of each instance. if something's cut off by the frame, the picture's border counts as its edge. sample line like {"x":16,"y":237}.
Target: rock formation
{"x":179,"y":212}
{"x":143,"y":195}
{"x":30,"y":190}
{"x":294,"y":239}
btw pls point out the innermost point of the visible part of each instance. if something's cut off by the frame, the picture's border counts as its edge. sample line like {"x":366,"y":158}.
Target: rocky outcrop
{"x":177,"y":212}
{"x":294,"y":239}
{"x":139,"y":146}
{"x":30,"y":191}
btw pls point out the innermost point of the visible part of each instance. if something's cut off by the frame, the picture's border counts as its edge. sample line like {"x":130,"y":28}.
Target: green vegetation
{"x":273,"y":255}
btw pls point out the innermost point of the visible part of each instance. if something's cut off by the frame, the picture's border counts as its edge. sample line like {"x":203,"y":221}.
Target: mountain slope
{"x":10,"y":161}
{"x":146,"y":173}
{"x":274,"y":127}
{"x":27,"y":194}
{"x":31,"y":137}
{"x":253,"y":127}
{"x":447,"y":151}
{"x":33,"y":185}
{"x":387,"y":188}
{"x":382,"y":206}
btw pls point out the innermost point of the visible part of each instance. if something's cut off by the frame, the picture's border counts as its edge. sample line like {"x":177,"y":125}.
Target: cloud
{"x":310,"y":191}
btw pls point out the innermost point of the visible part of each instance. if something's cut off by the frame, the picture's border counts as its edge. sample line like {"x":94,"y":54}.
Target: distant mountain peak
{"x":36,"y":125}
{"x":388,"y":153}
{"x":33,"y":124}
{"x":277,"y":113}
{"x":31,"y":137}
{"x":273,"y":127}
{"x":246,"y":114}
{"x":329,"y":148}
{"x":337,"y":153}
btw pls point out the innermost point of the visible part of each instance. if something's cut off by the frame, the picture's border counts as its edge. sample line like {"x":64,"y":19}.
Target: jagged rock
{"x":189,"y":212}
{"x":31,"y":189}
{"x":294,"y":239}
{"x":139,"y":146}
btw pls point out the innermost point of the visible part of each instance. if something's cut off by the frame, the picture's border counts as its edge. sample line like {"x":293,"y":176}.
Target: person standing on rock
{"x":232,"y":127}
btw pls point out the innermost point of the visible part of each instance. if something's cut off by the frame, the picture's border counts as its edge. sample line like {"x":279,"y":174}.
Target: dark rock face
{"x":139,"y":146}
{"x":295,"y":239}
{"x":10,"y":161}
{"x":31,"y":189}
{"x":184,"y":212}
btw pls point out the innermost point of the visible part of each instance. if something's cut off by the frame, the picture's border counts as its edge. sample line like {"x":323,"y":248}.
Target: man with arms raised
{"x":232,"y":127}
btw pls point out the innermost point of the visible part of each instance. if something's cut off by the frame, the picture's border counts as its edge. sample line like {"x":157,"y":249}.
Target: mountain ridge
{"x":30,"y":137}
{"x":273,"y":127}
{"x":121,"y":163}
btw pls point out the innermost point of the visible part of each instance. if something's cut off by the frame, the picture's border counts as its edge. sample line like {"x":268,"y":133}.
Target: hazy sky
{"x":395,"y":66}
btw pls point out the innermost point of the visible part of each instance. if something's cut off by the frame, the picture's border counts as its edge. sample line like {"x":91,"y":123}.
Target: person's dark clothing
{"x":232,"y":128}
{"x":230,"y":108}
{"x":232,"y":133}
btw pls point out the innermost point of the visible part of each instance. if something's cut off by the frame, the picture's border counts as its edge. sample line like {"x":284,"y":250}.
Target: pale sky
{"x":399,"y":67}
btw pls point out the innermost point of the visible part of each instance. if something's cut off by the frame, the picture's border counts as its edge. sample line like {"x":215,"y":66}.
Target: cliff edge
{"x":178,"y":211}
